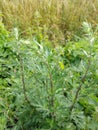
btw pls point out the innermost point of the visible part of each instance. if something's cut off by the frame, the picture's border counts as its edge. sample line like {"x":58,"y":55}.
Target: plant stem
{"x":51,"y":85}
{"x":23,"y":81}
{"x":52,"y":97}
{"x":79,"y":88}
{"x":52,"y":92}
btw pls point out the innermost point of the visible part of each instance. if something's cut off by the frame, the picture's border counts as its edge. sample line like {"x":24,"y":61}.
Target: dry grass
{"x":56,"y":18}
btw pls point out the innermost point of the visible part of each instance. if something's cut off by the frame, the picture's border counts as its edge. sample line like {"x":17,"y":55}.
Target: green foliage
{"x":45,"y":88}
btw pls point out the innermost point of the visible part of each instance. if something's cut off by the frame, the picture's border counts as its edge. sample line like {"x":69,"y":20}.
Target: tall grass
{"x":55,"y":18}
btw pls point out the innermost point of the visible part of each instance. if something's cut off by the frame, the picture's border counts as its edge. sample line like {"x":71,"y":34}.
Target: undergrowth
{"x":46,"y":88}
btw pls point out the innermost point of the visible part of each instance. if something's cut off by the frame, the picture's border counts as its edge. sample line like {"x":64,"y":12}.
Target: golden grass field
{"x":55,"y":18}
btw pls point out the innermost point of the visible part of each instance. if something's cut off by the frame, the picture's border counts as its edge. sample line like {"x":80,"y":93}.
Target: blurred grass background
{"x":56,"y":20}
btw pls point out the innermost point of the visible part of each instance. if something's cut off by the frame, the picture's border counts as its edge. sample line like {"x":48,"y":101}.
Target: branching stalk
{"x":23,"y":82}
{"x":52,"y":92}
{"x":51,"y":85}
{"x":80,"y":86}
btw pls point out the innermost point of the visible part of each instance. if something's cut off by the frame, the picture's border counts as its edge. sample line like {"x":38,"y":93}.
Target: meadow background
{"x":56,"y":20}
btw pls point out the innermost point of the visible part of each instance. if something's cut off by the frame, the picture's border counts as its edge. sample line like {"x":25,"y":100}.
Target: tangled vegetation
{"x":48,"y":65}
{"x":57,"y":20}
